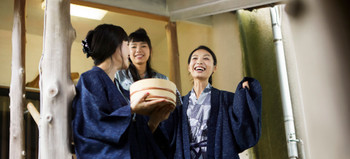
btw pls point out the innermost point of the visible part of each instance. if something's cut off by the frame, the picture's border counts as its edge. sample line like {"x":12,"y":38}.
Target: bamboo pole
{"x":17,"y":95}
{"x":56,"y":87}
{"x":173,"y":54}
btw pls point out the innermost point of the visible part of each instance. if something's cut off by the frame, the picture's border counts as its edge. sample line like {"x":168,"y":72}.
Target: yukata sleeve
{"x":169,"y":128}
{"x":245,"y":115}
{"x":103,"y":120}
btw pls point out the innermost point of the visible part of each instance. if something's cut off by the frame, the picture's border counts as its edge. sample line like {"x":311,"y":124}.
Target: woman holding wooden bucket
{"x":140,"y":62}
{"x":213,"y":123}
{"x":103,"y":123}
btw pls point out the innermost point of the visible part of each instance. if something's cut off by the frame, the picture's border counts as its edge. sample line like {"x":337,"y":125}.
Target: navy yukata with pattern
{"x":103,"y":126}
{"x":234,"y":124}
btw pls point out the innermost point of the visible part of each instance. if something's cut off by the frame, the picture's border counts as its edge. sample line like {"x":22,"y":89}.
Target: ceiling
{"x":175,"y":10}
{"x":184,"y":9}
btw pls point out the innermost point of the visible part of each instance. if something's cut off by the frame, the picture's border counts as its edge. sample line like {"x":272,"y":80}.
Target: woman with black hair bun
{"x":105,"y":124}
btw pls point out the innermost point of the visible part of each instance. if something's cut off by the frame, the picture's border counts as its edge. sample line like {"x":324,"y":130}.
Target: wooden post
{"x":17,"y":95}
{"x":173,"y":54}
{"x":56,"y":87}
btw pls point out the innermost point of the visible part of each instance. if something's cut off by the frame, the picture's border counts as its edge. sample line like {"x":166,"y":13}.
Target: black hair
{"x":102,"y":42}
{"x":140,"y":35}
{"x":202,"y":47}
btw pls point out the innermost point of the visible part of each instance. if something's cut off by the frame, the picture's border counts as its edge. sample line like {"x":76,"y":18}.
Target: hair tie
{"x":86,"y":48}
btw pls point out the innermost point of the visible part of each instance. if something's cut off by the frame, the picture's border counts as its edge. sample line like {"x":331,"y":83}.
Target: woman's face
{"x":201,"y":65}
{"x":139,"y":52}
{"x":122,"y":56}
{"x":125,"y":54}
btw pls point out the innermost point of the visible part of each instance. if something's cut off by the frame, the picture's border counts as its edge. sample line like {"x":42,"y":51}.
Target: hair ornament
{"x":86,"y":48}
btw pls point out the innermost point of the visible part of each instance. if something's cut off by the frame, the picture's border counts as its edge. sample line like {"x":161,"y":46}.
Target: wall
{"x":227,"y":47}
{"x":160,"y":55}
{"x":33,"y":54}
{"x":6,"y":56}
{"x":190,"y":36}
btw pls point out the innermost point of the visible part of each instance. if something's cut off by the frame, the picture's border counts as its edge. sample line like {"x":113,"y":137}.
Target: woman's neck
{"x":141,"y":70}
{"x":109,"y":68}
{"x":199,"y":86}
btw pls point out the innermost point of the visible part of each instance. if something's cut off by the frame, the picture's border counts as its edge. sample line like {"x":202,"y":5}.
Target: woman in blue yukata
{"x":213,"y":123}
{"x":105,"y":125}
{"x":140,"y":62}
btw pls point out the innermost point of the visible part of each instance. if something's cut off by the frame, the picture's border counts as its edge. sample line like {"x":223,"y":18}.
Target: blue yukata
{"x":103,"y":126}
{"x":230,"y":124}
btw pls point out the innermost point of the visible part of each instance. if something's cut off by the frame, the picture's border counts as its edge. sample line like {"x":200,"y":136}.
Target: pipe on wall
{"x":292,"y":141}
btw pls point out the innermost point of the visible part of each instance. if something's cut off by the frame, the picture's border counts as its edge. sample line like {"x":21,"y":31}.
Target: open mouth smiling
{"x":199,"y":68}
{"x":139,"y":55}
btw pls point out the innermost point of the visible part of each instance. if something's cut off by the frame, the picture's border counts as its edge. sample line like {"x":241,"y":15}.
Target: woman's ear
{"x":214,"y":68}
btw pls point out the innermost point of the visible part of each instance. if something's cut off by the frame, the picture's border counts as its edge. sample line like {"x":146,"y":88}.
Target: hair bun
{"x":141,"y":31}
{"x":86,"y":48}
{"x":86,"y":43}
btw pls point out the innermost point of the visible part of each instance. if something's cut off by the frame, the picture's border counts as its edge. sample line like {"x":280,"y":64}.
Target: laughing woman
{"x":213,"y":123}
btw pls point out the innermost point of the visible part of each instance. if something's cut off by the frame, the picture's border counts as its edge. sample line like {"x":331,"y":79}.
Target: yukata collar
{"x":132,"y":80}
{"x":203,"y":95}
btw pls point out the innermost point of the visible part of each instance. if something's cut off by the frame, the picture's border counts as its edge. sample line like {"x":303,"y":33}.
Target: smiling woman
{"x":213,"y":123}
{"x":202,"y":63}
{"x":140,"y":67}
{"x":140,"y":57}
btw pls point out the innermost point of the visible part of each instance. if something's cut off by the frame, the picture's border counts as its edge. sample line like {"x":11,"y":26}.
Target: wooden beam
{"x":173,"y":52}
{"x":121,"y":10}
{"x":33,"y":112}
{"x":17,"y":148}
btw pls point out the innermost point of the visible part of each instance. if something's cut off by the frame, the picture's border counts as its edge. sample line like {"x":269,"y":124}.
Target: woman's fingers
{"x":138,"y":105}
{"x":141,"y":106}
{"x":245,"y":84}
{"x":141,"y":98}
